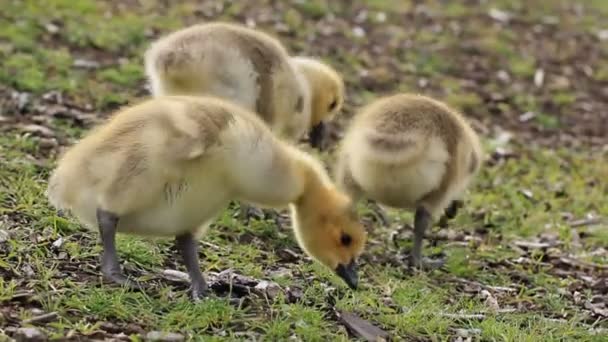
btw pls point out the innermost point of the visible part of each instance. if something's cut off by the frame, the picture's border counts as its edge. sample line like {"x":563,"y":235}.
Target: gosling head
{"x":327,"y":94}
{"x":329,"y":230}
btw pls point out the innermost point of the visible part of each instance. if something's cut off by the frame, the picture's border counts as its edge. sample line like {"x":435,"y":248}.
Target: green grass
{"x":414,"y":299}
{"x":55,"y":260}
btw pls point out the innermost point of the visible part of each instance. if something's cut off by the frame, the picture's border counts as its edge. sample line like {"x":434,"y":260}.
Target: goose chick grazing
{"x":167,"y":166}
{"x":326,"y":89}
{"x":236,"y":63}
{"x":411,"y":152}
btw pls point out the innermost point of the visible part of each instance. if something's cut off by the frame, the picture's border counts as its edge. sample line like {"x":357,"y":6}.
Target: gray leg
{"x":110,"y":267}
{"x":422,"y":221}
{"x":188,"y":248}
{"x":450,"y":212}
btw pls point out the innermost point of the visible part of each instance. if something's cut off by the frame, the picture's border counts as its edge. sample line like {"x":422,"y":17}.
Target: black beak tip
{"x":349,"y":274}
{"x":353,"y":284}
{"x":317,"y":135}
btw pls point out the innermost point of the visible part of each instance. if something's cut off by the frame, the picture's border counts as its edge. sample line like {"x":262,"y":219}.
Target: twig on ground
{"x":585,"y":222}
{"x":361,"y":328}
{"x":45,"y":318}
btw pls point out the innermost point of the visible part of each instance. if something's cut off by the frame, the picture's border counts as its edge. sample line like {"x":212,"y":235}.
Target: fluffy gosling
{"x":411,"y":152}
{"x":326,"y":89}
{"x":233,"y":62}
{"x":167,"y":166}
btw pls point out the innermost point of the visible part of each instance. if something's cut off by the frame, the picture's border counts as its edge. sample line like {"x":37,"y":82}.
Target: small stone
{"x":539,"y":77}
{"x":176,"y":276}
{"x":491,"y":302}
{"x":30,"y":334}
{"x":503,"y":76}
{"x":47,"y":143}
{"x":162,"y":336}
{"x":527,"y":116}
{"x":602,"y":35}
{"x":359,"y":32}
{"x":23,"y":99}
{"x":499,"y":15}
{"x":110,"y":327}
{"x":36,"y":311}
{"x":381,"y":17}
{"x":53,"y":96}
{"x":467,"y":332}
{"x":28,"y":270}
{"x":294,"y":294}
{"x":58,"y":243}
{"x":271,"y":289}
{"x":527,"y":193}
{"x":4,"y":236}
{"x":51,"y":28}
{"x":287,"y":255}
{"x":85,"y":64}
{"x":376,"y":78}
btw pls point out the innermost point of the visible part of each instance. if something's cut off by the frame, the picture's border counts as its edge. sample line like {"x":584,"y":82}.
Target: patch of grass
{"x":455,"y":10}
{"x":111,"y":303}
{"x":315,"y":9}
{"x":464,"y":101}
{"x":498,"y":43}
{"x":389,"y":5}
{"x":564,"y":98}
{"x":184,"y":315}
{"x":522,"y":66}
{"x":139,"y":251}
{"x":547,"y":121}
{"x":427,"y":64}
{"x":125,"y":75}
{"x":416,"y":298}
{"x":459,"y":263}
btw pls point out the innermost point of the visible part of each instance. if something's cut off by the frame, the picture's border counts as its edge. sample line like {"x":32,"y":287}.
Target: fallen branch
{"x":362,"y":328}
{"x":176,"y":276}
{"x":463,"y":316}
{"x":585,"y":222}
{"x":478,"y":316}
{"x":582,"y":264}
{"x":23,"y":295}
{"x":484,"y":286}
{"x":45,"y":318}
{"x":212,"y":246}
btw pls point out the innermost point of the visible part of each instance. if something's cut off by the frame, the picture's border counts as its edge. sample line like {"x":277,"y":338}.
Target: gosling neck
{"x":314,"y":188}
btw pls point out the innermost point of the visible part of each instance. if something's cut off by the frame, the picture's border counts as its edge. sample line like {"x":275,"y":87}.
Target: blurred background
{"x":538,"y":67}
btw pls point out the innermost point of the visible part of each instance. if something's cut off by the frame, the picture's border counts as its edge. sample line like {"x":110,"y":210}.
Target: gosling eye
{"x":345,"y":239}
{"x":299,"y":104}
{"x":333,"y":105}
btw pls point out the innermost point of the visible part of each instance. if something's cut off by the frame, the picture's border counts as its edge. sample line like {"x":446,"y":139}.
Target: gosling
{"x":169,"y":165}
{"x":326,"y":88}
{"x":410,"y":152}
{"x":250,"y":68}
